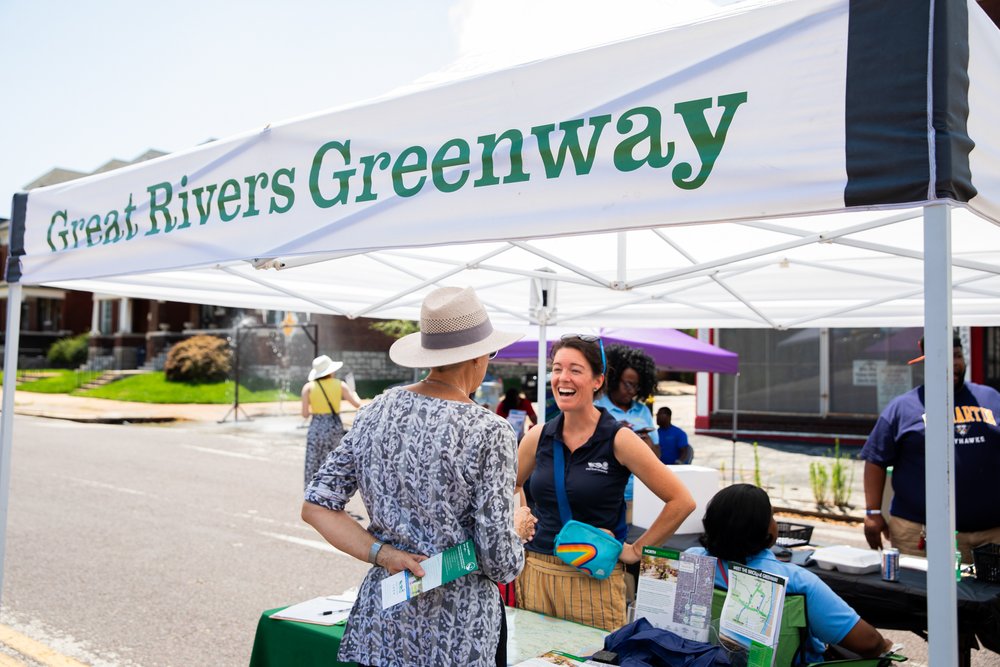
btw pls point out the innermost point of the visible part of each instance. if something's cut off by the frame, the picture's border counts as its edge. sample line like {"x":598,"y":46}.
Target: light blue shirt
{"x":638,"y":415}
{"x":830,"y":618}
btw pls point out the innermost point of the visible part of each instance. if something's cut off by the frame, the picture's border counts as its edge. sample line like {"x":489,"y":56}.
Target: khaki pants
{"x":550,"y":587}
{"x":906,"y":537}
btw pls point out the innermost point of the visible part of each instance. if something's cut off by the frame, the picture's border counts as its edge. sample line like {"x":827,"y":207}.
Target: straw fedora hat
{"x":454,"y":327}
{"x":323,"y":366}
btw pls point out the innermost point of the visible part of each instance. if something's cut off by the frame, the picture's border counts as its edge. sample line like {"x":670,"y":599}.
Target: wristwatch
{"x":373,"y":552}
{"x":870,"y":512}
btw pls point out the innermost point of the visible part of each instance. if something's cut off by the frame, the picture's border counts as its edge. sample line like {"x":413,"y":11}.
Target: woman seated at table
{"x":600,"y":453}
{"x":740,"y":527}
{"x":434,"y":470}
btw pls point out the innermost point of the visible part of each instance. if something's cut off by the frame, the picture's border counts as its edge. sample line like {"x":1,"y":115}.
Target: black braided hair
{"x":621,"y":357}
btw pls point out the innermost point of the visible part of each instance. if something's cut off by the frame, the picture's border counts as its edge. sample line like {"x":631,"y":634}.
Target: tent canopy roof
{"x":733,"y":173}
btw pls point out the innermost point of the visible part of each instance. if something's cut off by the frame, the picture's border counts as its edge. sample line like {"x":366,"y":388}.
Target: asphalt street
{"x":160,"y":544}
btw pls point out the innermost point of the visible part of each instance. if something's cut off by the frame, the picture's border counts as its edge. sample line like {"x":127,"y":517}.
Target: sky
{"x":87,"y":82}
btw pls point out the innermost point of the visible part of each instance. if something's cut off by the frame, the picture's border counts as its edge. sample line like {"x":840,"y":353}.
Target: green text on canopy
{"x":334,"y":178}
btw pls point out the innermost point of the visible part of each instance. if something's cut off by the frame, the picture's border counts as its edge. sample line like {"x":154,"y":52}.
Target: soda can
{"x":890,"y":564}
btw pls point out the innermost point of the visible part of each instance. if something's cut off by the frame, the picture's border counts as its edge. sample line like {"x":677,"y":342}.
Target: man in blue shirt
{"x":674,"y":447}
{"x":898,"y":441}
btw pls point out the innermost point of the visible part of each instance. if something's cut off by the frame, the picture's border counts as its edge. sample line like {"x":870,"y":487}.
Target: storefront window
{"x":779,"y":370}
{"x":868,"y":368}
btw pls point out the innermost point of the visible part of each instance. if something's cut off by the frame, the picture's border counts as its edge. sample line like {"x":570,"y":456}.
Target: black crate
{"x":793,"y":534}
{"x":986,"y":558}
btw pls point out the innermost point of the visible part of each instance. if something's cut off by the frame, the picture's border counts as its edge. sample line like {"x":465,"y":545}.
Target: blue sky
{"x":85,"y":82}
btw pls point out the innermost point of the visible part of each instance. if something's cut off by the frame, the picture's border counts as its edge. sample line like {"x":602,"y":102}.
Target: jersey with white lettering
{"x":898,"y":441}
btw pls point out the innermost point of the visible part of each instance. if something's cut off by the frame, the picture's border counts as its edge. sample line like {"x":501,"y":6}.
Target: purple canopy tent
{"x":671,"y":349}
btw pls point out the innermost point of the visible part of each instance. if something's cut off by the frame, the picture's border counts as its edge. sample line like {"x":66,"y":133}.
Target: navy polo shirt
{"x":595,"y":483}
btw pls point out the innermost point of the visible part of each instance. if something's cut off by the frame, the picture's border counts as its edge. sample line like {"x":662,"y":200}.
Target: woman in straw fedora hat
{"x":321,"y":397}
{"x":434,"y":470}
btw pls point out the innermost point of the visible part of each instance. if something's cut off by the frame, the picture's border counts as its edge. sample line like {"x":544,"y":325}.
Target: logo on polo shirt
{"x":597,"y":466}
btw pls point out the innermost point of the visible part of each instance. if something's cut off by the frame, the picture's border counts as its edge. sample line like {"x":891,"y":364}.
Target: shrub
{"x":68,"y":352}
{"x":198,"y":360}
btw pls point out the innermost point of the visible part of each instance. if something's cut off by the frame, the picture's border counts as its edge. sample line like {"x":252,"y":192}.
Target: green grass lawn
{"x":150,"y":388}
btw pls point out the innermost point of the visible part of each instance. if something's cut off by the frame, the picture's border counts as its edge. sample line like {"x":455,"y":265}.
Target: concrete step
{"x":110,"y":376}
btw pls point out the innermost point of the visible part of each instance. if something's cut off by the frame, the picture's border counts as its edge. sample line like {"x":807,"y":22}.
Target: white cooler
{"x":702,"y":482}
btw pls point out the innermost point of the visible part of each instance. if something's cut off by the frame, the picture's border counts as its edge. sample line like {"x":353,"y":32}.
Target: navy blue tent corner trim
{"x":886,"y":151}
{"x":886,"y":102}
{"x":951,"y":100}
{"x":19,"y":211}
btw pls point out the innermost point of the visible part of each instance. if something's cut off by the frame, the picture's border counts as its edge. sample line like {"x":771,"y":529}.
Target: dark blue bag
{"x":639,"y":644}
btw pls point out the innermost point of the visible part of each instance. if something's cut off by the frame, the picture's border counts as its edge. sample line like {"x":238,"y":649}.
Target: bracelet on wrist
{"x":871,"y":512}
{"x":373,"y":551}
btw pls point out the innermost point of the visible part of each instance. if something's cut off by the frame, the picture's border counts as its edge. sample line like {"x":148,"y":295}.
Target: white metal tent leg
{"x":939,"y":400}
{"x":11,"y":343}
{"x":540,"y":384}
{"x":736,"y":404}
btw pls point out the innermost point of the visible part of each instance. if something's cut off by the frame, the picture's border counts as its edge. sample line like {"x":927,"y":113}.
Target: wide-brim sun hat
{"x":323,"y":366}
{"x":454,"y":327}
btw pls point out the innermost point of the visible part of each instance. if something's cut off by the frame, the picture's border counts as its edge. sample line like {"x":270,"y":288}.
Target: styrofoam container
{"x":702,"y":482}
{"x":848,"y":559}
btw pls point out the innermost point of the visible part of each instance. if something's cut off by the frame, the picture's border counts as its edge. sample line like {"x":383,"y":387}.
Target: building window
{"x":105,"y":316}
{"x":779,"y":370}
{"x":49,"y":314}
{"x":868,"y":368}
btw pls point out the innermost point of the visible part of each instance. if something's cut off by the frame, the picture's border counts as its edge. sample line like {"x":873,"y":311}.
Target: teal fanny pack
{"x":579,"y":544}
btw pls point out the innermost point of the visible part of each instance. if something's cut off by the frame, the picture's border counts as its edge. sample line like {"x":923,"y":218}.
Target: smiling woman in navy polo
{"x":599,"y":455}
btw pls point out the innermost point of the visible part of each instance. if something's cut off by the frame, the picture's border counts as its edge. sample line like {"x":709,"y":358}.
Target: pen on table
{"x":326,"y":613}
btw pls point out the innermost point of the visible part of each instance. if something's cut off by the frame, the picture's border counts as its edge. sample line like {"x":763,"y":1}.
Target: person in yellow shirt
{"x":321,"y":397}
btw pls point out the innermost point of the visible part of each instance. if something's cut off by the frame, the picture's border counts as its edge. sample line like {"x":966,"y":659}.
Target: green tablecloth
{"x":281,"y":643}
{"x":290,"y":643}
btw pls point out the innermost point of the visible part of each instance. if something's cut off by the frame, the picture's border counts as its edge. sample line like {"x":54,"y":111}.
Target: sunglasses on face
{"x":493,"y":354}
{"x":588,"y":338}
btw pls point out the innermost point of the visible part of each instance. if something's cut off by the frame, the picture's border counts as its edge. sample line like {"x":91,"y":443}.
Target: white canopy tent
{"x":797,"y":164}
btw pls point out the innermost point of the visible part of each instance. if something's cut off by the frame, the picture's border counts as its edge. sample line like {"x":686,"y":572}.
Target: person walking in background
{"x":898,"y":440}
{"x":740,"y":528}
{"x":434,"y":470}
{"x":600,"y":454}
{"x":321,"y":398}
{"x":517,"y":410}
{"x":673,"y":445}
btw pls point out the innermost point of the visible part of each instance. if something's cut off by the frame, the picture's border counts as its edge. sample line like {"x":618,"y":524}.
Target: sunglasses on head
{"x":589,"y":338}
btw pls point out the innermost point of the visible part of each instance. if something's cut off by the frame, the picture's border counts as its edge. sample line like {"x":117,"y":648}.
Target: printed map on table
{"x":675,"y":591}
{"x":751,"y":615}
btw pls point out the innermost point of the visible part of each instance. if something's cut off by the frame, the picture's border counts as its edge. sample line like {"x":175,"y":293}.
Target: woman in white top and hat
{"x":321,"y":398}
{"x":434,"y":470}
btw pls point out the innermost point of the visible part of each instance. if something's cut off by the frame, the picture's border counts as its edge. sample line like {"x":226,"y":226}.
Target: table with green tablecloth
{"x":280,"y":643}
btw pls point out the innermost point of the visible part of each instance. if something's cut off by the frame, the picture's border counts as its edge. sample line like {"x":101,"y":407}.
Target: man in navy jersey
{"x":898,"y":441}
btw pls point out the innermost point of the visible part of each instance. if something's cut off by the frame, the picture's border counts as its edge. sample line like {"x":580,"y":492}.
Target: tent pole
{"x":736,"y":404}
{"x":939,"y":400}
{"x":10,"y":349}
{"x":540,"y":383}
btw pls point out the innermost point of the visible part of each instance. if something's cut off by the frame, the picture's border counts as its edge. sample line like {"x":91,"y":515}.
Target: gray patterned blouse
{"x":432,"y":474}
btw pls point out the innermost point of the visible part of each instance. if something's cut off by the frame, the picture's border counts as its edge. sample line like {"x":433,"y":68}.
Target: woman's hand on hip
{"x":396,"y":560}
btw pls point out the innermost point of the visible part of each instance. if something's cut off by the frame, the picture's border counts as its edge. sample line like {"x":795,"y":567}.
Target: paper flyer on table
{"x":321,"y":611}
{"x":674,"y":591}
{"x":556,"y":658}
{"x":751,"y":614}
{"x":439,"y":569}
